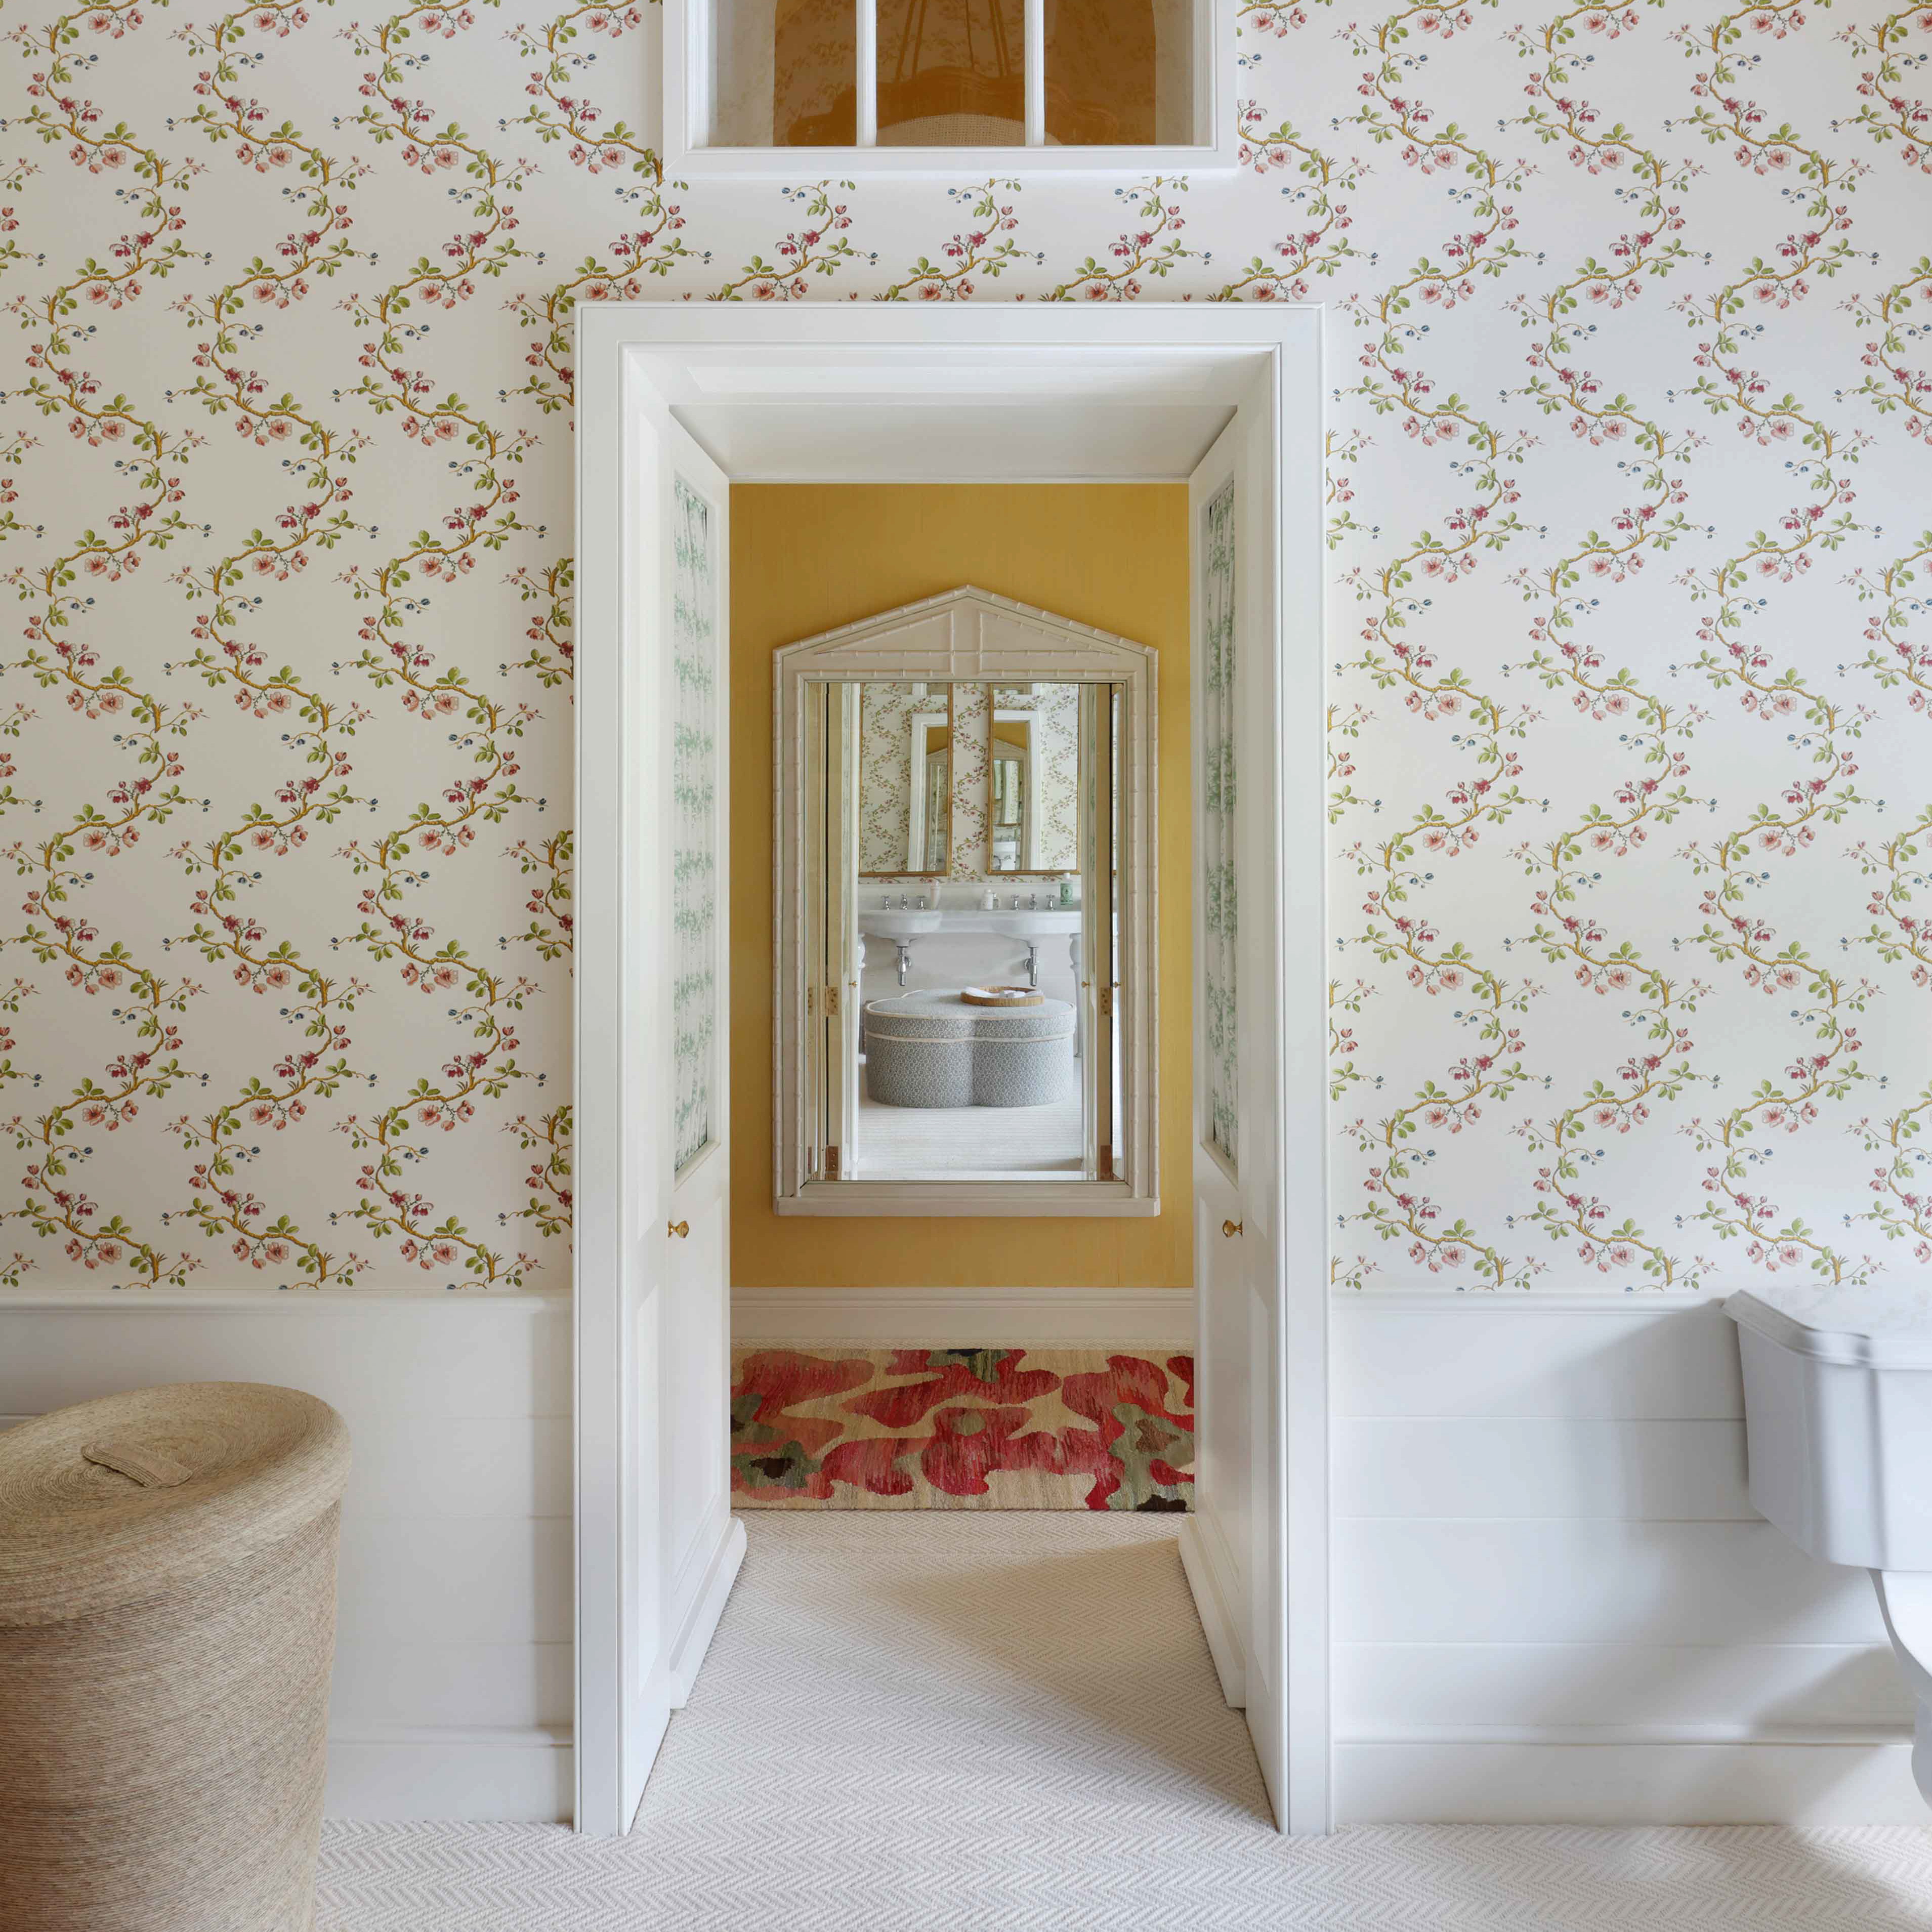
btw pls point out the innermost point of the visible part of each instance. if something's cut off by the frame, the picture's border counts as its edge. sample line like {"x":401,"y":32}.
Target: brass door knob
{"x":1231,"y":1228}
{"x":679,"y":1228}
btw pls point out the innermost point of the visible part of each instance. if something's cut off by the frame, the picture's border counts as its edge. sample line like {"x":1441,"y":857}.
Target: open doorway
{"x":680,"y":407}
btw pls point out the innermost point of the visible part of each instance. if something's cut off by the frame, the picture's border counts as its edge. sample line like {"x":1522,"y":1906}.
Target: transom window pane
{"x":786,"y":73}
{"x":952,"y":73}
{"x":1119,"y":72}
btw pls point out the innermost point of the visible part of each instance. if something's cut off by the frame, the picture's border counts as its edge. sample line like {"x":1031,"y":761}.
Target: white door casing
{"x":656,"y":1548}
{"x":891,"y":394}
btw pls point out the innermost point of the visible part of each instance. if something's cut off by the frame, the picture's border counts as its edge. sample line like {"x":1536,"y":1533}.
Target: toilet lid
{"x":1884,"y":1324}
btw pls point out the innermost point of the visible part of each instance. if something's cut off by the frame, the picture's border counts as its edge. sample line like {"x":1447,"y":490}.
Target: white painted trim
{"x":1297,"y":1192}
{"x":255,"y":1301}
{"x":468,"y":1737}
{"x":965,"y":1318}
{"x":1034,"y":23}
{"x":688,"y":1648}
{"x":1005,"y":1200}
{"x":1539,"y":1301}
{"x":1272,"y":357}
{"x":1814,"y":1780}
{"x":1885,"y":1736}
{"x":393,"y":1772}
{"x":866,"y":63}
{"x":1210,"y":1579}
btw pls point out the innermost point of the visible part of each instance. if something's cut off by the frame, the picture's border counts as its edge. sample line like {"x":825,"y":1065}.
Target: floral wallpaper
{"x":972,"y":803}
{"x":1628,"y":466}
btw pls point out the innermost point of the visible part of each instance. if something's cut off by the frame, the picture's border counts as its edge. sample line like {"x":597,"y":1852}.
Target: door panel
{"x":692,"y":1390}
{"x":656,"y":1547}
{"x":1239,"y":1542}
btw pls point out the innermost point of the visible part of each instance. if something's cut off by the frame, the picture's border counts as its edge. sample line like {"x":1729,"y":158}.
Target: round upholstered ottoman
{"x":938,"y":1050}
{"x":167,"y":1625}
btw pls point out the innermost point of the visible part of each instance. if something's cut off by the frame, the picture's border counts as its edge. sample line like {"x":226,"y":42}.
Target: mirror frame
{"x":966,"y":636}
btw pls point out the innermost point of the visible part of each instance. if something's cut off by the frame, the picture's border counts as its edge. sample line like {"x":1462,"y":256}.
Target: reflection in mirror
{"x":1032,"y":812}
{"x":1007,"y":818}
{"x":905,"y":780}
{"x":975,"y":1049}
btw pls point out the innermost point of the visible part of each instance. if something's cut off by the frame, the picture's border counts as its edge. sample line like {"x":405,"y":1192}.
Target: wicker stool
{"x":167,"y":1625}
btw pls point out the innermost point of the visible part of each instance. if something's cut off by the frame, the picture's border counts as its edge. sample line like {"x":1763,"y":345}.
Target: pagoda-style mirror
{"x":965,"y":945}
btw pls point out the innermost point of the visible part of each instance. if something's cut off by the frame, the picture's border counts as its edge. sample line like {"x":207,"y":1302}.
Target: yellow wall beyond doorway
{"x":805,"y":558}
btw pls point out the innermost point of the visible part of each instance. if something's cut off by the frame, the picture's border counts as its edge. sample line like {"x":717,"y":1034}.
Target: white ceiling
{"x":851,"y":414}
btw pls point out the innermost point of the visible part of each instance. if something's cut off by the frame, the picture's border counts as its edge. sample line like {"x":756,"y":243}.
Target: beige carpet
{"x":1009,"y":1723}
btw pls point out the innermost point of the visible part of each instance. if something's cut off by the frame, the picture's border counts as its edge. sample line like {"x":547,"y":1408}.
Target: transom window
{"x":926,"y":86}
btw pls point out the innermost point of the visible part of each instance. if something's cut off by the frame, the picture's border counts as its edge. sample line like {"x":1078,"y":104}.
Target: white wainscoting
{"x":966,"y":1318}
{"x":453,"y":1687}
{"x":1552,"y":1599}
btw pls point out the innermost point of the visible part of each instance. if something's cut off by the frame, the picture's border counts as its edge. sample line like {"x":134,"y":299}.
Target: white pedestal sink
{"x":1032,"y":925}
{"x":890,"y":923}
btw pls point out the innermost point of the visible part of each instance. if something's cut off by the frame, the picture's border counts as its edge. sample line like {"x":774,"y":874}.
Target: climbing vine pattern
{"x":1629,"y":452}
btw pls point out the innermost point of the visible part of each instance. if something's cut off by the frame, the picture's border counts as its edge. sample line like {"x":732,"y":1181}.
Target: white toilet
{"x":1838,"y":1429}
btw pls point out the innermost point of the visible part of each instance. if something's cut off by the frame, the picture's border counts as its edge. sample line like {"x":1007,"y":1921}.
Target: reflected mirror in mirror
{"x":1033,"y":820}
{"x":905,"y":780}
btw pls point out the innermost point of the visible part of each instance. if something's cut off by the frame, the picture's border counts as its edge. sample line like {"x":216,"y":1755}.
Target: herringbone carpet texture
{"x":1009,"y":1723}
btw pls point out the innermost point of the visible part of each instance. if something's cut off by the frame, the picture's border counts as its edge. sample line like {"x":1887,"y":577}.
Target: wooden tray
{"x":1002,"y":996}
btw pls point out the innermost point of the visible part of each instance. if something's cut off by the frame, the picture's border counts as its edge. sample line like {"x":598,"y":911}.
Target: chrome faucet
{"x":902,"y":902}
{"x":1013,"y":904}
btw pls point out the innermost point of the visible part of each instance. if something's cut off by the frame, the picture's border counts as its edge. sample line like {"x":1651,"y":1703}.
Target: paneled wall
{"x":453,"y":1687}
{"x":1552,"y":1598}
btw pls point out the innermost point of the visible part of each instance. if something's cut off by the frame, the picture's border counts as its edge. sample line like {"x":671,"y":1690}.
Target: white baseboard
{"x":693,"y":1639}
{"x":391,"y":1771}
{"x":964,"y":1317}
{"x":1208,"y":1578}
{"x":1629,"y":1775}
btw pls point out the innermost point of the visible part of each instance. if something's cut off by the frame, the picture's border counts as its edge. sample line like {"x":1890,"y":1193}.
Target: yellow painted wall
{"x":805,"y":558}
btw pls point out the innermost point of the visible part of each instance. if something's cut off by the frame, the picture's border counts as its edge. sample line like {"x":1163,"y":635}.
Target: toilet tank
{"x":1838,"y":1418}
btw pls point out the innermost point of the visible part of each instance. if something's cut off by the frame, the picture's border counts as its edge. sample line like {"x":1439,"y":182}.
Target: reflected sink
{"x":1031,"y":924}
{"x":885,"y":924}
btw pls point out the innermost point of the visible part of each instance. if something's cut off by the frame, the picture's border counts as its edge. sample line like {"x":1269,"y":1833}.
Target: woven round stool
{"x":167,"y":1626}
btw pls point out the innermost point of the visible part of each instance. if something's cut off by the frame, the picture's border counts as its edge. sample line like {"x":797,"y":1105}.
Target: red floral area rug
{"x":961,"y":1429}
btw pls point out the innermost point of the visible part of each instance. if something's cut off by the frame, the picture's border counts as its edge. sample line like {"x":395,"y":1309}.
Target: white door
{"x":657,"y":1547}
{"x":1235,"y":1545}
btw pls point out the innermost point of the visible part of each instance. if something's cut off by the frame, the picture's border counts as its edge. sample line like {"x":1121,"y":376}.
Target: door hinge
{"x":810,"y":1001}
{"x":831,"y":1000}
{"x":1106,"y":1002}
{"x":832,"y":1163}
